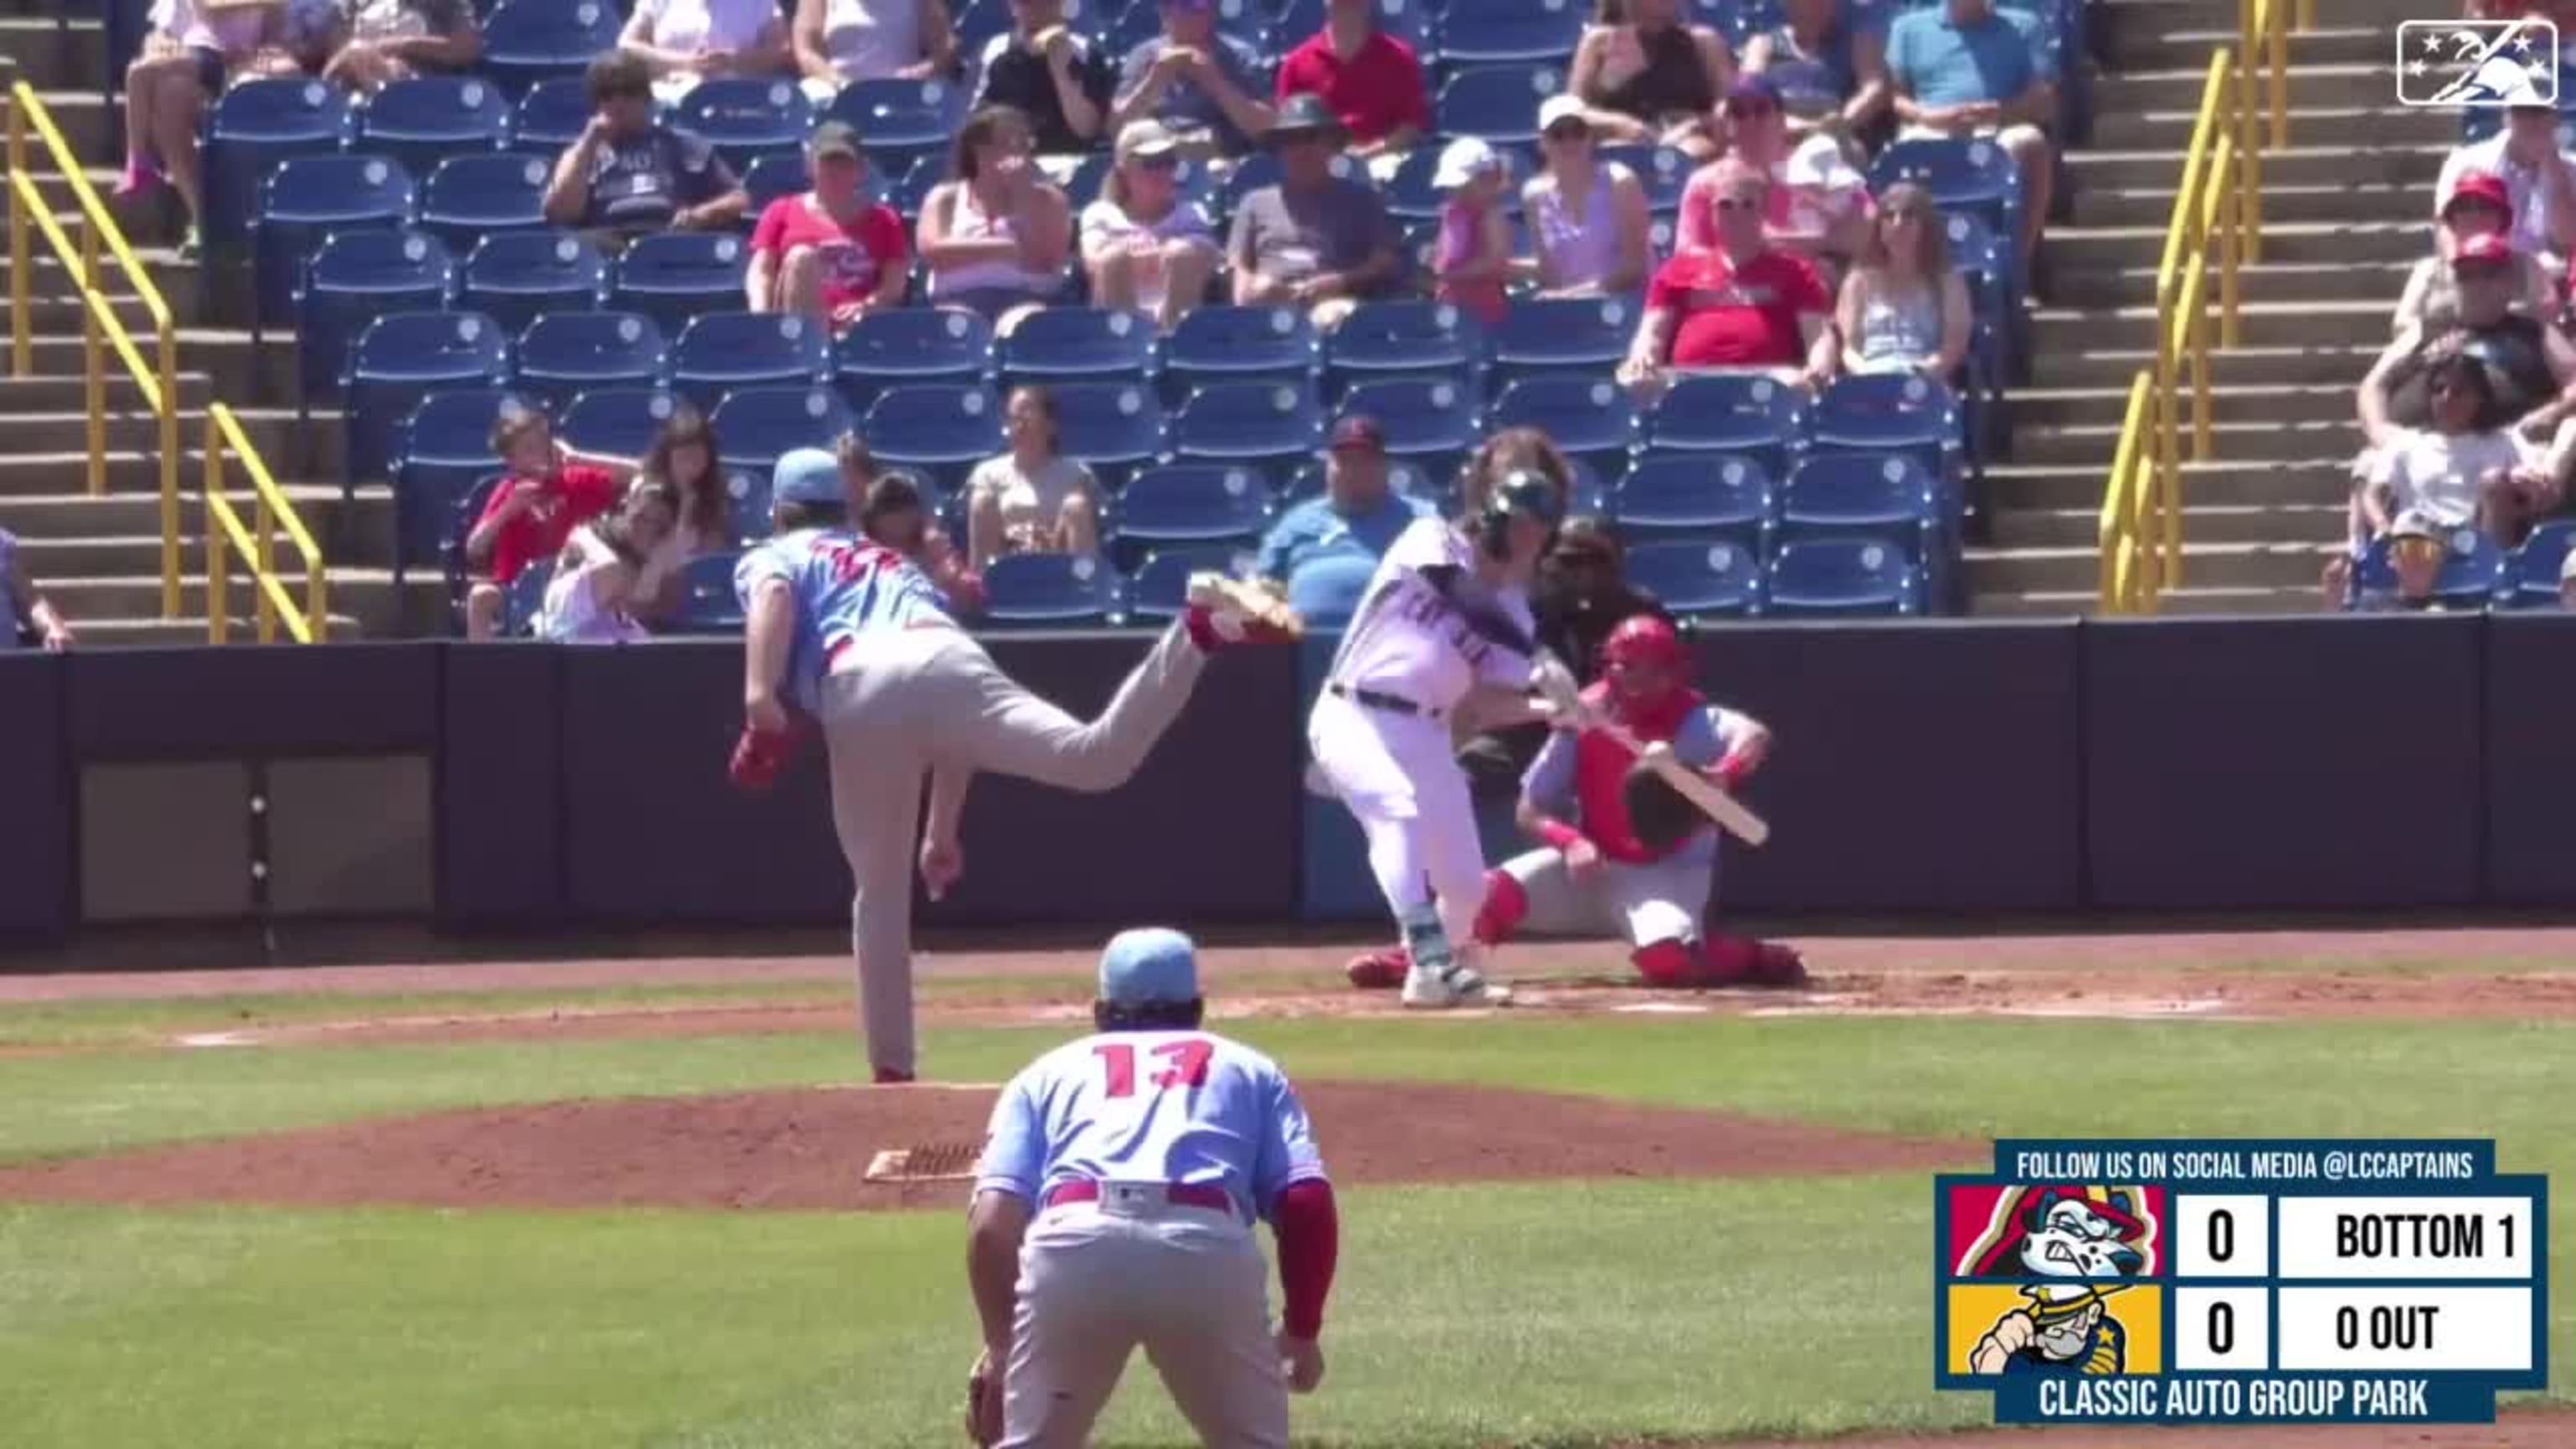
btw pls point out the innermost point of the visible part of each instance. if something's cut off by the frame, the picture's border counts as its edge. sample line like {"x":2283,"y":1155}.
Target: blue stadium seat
{"x":1732,"y":413}
{"x":1408,"y":476}
{"x":451,"y":555}
{"x":2473,"y":572}
{"x":1261,"y":169}
{"x":525,"y":599}
{"x":356,"y":277}
{"x":902,"y":122}
{"x":1699,"y":578}
{"x":564,"y":354}
{"x":1050,"y":591}
{"x":1157,"y":589}
{"x":309,"y":198}
{"x":468,"y":197}
{"x":976,"y":21}
{"x":1422,"y":418}
{"x":912,"y":186}
{"x":1878,"y":495}
{"x":1590,"y":495}
{"x":1060,"y":344}
{"x":1586,"y":336}
{"x":1112,"y":427}
{"x":423,"y":120}
{"x":1483,"y":32}
{"x":1902,"y":412}
{"x":401,"y":358}
{"x":248,"y":130}
{"x":1496,"y":102}
{"x":912,"y":345}
{"x":1218,"y":343}
{"x":708,"y":602}
{"x":441,"y":453}
{"x":1592,"y":420}
{"x":1246,"y":20}
{"x":1274,"y":423}
{"x":551,"y":116}
{"x":1204,"y":504}
{"x":743,"y":117}
{"x":1402,"y":339}
{"x":756,"y":425}
{"x":515,"y":277}
{"x":778,"y":176}
{"x":2531,"y":572}
{"x":749,"y":493}
{"x":619,"y":421}
{"x":719,"y":351}
{"x":674,"y":276}
{"x":1326,"y":590}
{"x":1663,"y":172}
{"x":528,"y":41}
{"x":940,"y":430}
{"x":1696,"y":496}
{"x":1841,"y":576}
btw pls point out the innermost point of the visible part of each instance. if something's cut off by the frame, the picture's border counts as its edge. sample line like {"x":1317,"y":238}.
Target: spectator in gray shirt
{"x":1315,"y":239}
{"x":1205,"y":87}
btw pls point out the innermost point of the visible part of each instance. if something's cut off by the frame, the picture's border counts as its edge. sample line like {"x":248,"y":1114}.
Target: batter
{"x":860,"y":642}
{"x":1445,"y":618}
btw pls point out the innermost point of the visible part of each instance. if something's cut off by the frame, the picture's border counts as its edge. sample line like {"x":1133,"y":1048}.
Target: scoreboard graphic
{"x":2236,"y":1282}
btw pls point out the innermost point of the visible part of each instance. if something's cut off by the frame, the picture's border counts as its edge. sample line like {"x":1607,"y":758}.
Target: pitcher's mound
{"x":813,"y":1150}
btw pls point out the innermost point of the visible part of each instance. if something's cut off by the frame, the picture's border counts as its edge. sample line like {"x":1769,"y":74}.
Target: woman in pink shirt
{"x":194,"y":47}
{"x":832,"y":253}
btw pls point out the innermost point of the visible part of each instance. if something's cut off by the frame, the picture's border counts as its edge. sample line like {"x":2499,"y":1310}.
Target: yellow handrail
{"x":2217,"y":216}
{"x":225,"y":535}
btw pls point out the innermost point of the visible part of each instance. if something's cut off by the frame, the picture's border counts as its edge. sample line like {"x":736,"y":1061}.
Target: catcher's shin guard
{"x":1506,"y":906}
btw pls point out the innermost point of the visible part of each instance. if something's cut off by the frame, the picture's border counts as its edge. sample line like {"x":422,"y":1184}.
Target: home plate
{"x":216,"y":1039}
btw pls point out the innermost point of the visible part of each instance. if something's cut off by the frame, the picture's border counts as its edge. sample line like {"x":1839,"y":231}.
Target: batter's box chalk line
{"x":930,"y":1162}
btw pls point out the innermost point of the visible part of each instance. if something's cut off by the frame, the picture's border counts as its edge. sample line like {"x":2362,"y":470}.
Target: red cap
{"x":1359,"y":431}
{"x":2483,"y":186}
{"x":2484,"y":247}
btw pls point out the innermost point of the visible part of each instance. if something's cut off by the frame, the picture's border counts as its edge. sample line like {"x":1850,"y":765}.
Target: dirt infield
{"x":810,"y":1150}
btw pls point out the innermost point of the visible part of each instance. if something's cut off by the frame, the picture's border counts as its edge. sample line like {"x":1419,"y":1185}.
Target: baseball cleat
{"x":1461,"y":986}
{"x":1778,"y":964}
{"x":1379,"y":970}
{"x":1241,"y":612}
{"x":889,"y":1077}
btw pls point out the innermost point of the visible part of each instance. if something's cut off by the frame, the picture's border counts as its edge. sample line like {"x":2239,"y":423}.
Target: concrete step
{"x":134,"y":508}
{"x":2254,"y":440}
{"x":2055,"y":406}
{"x":2333,"y":202}
{"x":2222,"y":483}
{"x":60,"y":392}
{"x":2237,"y":367}
{"x":2384,"y":239}
{"x":2078,"y":570}
{"x":74,"y":558}
{"x":2319,"y":163}
{"x":2375,"y":120}
{"x":239,"y":372}
{"x":66,"y":52}
{"x":2022,"y":528}
{"x":2265,"y":324}
{"x":2312,"y":85}
{"x":2135,"y":286}
{"x":80,"y":113}
{"x":183,"y":286}
{"x":363,"y":602}
{"x":134,"y":432}
{"x":2148,"y":39}
{"x":2059,"y":603}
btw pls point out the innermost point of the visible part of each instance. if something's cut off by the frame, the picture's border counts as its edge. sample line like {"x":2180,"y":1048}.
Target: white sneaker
{"x":1461,"y":986}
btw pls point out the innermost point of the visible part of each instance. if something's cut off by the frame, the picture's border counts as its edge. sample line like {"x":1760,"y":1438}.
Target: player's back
{"x":1164,"y":1106}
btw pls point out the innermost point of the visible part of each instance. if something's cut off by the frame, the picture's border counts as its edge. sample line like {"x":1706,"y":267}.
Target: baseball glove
{"x":984,"y":1403}
{"x":760,"y":755}
{"x":1658,"y":815}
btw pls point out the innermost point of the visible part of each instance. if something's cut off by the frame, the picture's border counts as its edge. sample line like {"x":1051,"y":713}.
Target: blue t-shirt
{"x":1943,"y":64}
{"x":1316,"y":526}
{"x":844,"y":585}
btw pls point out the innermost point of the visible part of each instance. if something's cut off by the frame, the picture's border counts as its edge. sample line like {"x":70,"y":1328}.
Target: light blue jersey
{"x":845,"y":585}
{"x":1159,"y":1106}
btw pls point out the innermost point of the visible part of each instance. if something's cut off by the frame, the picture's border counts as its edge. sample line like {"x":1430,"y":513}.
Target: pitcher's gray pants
{"x":903,"y":702}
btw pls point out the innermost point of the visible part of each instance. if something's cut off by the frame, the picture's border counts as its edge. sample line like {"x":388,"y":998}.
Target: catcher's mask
{"x":1522,"y":493}
{"x":1645,"y":642}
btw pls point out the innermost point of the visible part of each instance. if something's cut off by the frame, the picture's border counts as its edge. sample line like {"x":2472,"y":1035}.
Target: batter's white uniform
{"x":1149,"y":1155}
{"x":1380,"y":732}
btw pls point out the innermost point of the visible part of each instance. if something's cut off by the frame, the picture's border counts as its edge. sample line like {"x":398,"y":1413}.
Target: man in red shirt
{"x":1370,"y":79}
{"x":547,"y":491}
{"x":1741,"y":306}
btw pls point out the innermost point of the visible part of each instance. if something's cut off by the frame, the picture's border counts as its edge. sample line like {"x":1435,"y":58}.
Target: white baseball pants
{"x":1400,"y":776}
{"x":1641,"y":903}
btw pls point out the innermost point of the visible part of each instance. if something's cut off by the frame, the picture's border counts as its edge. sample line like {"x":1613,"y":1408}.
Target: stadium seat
{"x":718,"y":351}
{"x":422,"y":120}
{"x":309,"y":198}
{"x":401,"y":358}
{"x":1699,"y":578}
{"x":1498,"y":103}
{"x":2473,"y":572}
{"x":529,"y":41}
{"x":1063,"y":344}
{"x":1274,"y":423}
{"x":619,"y":421}
{"x":1585,"y":336}
{"x":1138,"y":21}
{"x":515,"y":277}
{"x":755,"y":426}
{"x":1113,"y":428}
{"x":1422,"y":418}
{"x":939,"y":430}
{"x":1591,"y":420}
{"x":441,"y":452}
{"x":1220,"y":343}
{"x":976,"y":21}
{"x":1189,"y":503}
{"x":468,"y":197}
{"x":451,"y":554}
{"x":1663,"y":171}
{"x":564,"y":354}
{"x":249,"y":129}
{"x":1157,"y":590}
{"x":911,"y":187}
{"x":903,"y":122}
{"x":748,"y":493}
{"x":780,"y":175}
{"x":1881,"y":495}
{"x":912,"y":345}
{"x":1895,"y":412}
{"x":674,"y":276}
{"x":1050,"y":591}
{"x":1841,"y":576}
{"x":553,"y":113}
{"x":1261,"y":169}
{"x":1407,"y":476}
{"x":708,"y":602}
{"x":525,"y":599}
{"x":1326,"y":590}
{"x":1732,"y":413}
{"x":746,"y":116}
{"x":1695,"y":496}
{"x":1402,"y":339}
{"x":354,"y":278}
{"x":1483,"y":32}
{"x":2531,"y":572}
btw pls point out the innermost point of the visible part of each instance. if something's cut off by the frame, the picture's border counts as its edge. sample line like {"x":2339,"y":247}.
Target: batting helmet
{"x":1522,"y":491}
{"x":1646,"y":639}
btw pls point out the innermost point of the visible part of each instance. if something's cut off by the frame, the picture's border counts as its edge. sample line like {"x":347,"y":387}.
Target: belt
{"x":1375,"y":699}
{"x":1180,"y":1194}
{"x":832,"y":656}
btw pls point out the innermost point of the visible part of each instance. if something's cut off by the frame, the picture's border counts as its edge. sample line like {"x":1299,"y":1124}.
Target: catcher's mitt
{"x":759,"y":756}
{"x":1658,"y":815}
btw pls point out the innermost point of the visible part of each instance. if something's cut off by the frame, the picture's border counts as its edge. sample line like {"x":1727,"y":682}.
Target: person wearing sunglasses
{"x":1589,"y":221}
{"x":1146,"y":247}
{"x":1904,"y":308}
{"x":2461,"y":472}
{"x":1818,"y":203}
{"x":1743,"y":305}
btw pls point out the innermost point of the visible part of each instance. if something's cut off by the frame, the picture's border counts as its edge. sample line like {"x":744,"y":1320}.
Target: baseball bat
{"x":1731,"y":814}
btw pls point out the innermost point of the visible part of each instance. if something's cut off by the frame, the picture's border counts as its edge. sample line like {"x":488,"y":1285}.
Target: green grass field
{"x":1565,"y":1314}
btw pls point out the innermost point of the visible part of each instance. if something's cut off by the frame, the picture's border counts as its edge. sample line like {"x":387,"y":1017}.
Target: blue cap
{"x":807,"y":475}
{"x":1149,"y":964}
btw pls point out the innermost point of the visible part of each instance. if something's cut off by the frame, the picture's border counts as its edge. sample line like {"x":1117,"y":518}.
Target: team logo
{"x":2479,"y":63}
{"x":2056,"y":1230}
{"x":2064,"y":1328}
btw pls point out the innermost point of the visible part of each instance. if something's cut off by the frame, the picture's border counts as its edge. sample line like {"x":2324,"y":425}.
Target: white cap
{"x":1463,"y":161}
{"x":1559,"y":106}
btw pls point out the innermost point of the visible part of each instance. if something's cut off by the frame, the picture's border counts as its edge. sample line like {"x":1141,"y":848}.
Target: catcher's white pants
{"x":1186,"y":1284}
{"x":1400,"y":776}
{"x":1641,"y":902}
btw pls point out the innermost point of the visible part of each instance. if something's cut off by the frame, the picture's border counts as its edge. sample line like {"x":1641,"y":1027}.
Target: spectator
{"x":1369,"y":81}
{"x":1359,"y":509}
{"x":2459,"y":472}
{"x":1057,"y":78}
{"x":378,"y":42}
{"x":2530,"y":365}
{"x":834,"y":253}
{"x":29,"y":609}
{"x":1589,"y":219}
{"x":629,"y":175}
{"x":1473,"y":257}
{"x":2539,"y":182}
{"x":1314,"y":239}
{"x":1204,"y":86}
{"x":1582,"y":594}
{"x":1742,"y":304}
{"x":195,"y":47}
{"x":1145,"y":246}
{"x":1832,"y":74}
{"x":1969,"y":69}
{"x":2479,"y":205}
{"x":1905,"y":308}
{"x":1817,"y":204}
{"x":546,"y":491}
{"x":1032,"y":499}
{"x":894,"y":513}
{"x":840,"y":41}
{"x":1646,"y":77}
{"x":996,"y":234}
{"x":683,"y":42}
{"x":683,"y":460}
{"x":593,"y":594}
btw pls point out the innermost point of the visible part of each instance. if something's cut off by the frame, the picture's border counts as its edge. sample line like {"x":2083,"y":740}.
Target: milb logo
{"x":2477,"y":63}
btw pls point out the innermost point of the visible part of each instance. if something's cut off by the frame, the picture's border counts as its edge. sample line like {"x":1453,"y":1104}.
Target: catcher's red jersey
{"x":1601,"y":763}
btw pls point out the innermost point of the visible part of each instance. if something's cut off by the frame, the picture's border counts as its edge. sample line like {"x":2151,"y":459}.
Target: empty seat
{"x":1219,"y":343}
{"x":1588,"y":336}
{"x":2531,"y":573}
{"x":1695,"y":495}
{"x":1496,"y":102}
{"x":1888,"y":497}
{"x":306,"y":199}
{"x":550,"y":116}
{"x":441,"y":454}
{"x":755,"y":426}
{"x":470,"y":196}
{"x":1489,"y":31}
{"x":1591,"y":419}
{"x":528,"y":41}
{"x":674,"y":276}
{"x":564,"y":354}
{"x":902,"y":122}
{"x":1732,"y":413}
{"x":353,"y":279}
{"x":401,"y":358}
{"x":1190,"y":503}
{"x":747,"y":116}
{"x":1050,"y":590}
{"x":1060,"y":344}
{"x":1841,"y":576}
{"x":1885,"y":411}
{"x":1402,"y":339}
{"x":249,"y":129}
{"x":1271,"y":422}
{"x":1158,"y":587}
{"x":619,"y":421}
{"x":778,"y":176}
{"x":912,"y":344}
{"x":939,"y":430}
{"x":1434,"y":417}
{"x":1113,"y":428}
{"x":1698,"y":578}
{"x":515,"y":277}
{"x":421,"y":120}
{"x":719,"y":351}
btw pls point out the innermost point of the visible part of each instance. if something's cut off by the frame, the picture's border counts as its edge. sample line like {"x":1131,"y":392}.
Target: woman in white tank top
{"x":998,"y":234}
{"x":1587,"y":217}
{"x":1904,"y":308}
{"x":840,"y":41}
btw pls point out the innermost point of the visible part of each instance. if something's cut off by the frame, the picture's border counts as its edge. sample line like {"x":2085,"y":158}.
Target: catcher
{"x":1624,"y":852}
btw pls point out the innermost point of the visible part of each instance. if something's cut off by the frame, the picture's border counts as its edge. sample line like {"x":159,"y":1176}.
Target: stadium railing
{"x":156,"y":379}
{"x":2218,"y":217}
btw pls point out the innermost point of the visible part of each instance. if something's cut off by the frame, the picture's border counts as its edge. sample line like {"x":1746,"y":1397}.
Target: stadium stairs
{"x":2346,"y":212}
